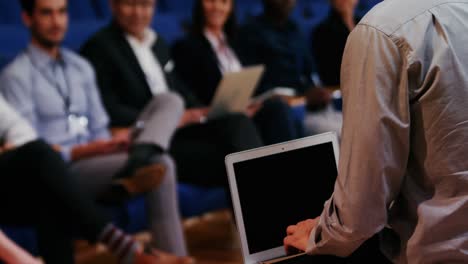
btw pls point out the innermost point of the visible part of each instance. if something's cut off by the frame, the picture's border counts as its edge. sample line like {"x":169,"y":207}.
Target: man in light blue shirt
{"x":55,"y":90}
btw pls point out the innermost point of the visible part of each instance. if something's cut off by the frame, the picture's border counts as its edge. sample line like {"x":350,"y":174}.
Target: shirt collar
{"x":214,"y":40}
{"x":41,"y":59}
{"x":150,"y":38}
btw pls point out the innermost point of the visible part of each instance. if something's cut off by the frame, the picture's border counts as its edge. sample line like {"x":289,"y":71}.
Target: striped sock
{"x":120,"y":244}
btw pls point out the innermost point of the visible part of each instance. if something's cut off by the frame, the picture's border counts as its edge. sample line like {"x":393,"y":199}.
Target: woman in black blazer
{"x":209,"y":51}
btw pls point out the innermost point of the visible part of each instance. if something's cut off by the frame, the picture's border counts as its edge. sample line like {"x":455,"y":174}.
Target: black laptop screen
{"x":282,"y":189}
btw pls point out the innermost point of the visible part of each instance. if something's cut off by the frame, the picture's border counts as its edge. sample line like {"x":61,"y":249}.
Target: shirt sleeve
{"x":13,"y":128}
{"x":374,"y":147}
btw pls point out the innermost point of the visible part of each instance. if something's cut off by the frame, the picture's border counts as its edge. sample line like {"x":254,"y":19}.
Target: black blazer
{"x":121,"y":80}
{"x":197,"y":65}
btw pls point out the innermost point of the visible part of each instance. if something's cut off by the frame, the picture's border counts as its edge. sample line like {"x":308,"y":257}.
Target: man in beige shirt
{"x":404,"y":149}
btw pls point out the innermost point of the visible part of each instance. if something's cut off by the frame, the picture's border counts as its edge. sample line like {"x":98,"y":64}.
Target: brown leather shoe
{"x":154,"y":256}
{"x":144,"y":179}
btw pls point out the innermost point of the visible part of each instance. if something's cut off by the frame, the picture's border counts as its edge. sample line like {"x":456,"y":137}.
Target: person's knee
{"x":172,"y":101}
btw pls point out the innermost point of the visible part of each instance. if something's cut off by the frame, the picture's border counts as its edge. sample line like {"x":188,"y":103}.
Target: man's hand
{"x":194,"y":116}
{"x":297,"y":237}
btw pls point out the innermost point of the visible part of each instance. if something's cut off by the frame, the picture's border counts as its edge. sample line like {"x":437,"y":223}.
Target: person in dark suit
{"x":210,"y":51}
{"x":329,"y":40}
{"x":132,"y":64}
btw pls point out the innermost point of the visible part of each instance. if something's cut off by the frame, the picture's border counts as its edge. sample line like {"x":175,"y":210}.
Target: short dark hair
{"x":199,"y":20}
{"x":28,"y":6}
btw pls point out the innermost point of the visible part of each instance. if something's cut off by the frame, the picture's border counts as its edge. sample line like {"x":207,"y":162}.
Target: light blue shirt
{"x":39,"y":86}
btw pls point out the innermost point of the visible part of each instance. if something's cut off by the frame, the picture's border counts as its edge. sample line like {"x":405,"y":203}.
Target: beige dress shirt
{"x":404,"y":149}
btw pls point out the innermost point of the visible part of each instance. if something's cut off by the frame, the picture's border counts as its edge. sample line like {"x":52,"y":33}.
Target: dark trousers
{"x":199,"y":150}
{"x":37,"y":189}
{"x":276,"y":123}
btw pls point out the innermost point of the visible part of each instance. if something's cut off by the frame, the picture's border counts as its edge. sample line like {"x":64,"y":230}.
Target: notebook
{"x":235,"y":91}
{"x":276,"y":186}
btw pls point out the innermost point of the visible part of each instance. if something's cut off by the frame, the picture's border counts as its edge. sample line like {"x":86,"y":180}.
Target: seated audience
{"x":275,"y":40}
{"x":403,"y":165}
{"x":210,"y":51}
{"x":329,"y":39}
{"x":44,"y":194}
{"x":55,"y":90}
{"x":133,"y":65}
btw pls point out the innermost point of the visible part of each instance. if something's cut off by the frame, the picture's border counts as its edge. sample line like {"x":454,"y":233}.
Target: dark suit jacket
{"x":197,"y":64}
{"x":121,"y":80}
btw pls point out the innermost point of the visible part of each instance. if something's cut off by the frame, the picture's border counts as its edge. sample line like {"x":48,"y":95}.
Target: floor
{"x":211,"y":238}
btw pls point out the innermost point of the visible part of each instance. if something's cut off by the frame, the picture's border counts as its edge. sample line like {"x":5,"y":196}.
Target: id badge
{"x":78,"y":125}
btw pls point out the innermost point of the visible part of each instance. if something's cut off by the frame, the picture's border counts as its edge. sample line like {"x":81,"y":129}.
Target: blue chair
{"x":103,"y":9}
{"x":246,"y":10}
{"x":169,"y":26}
{"x":14,"y":38}
{"x":80,"y":31}
{"x":181,"y":7}
{"x":82,"y":10}
{"x":10,"y":12}
{"x":365,"y":5}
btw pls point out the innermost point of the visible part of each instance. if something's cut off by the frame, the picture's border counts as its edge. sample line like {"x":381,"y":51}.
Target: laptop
{"x":276,"y":186}
{"x":235,"y":90}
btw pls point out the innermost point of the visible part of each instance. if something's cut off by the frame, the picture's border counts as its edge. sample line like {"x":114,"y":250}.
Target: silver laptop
{"x":235,"y":91}
{"x":276,"y":186}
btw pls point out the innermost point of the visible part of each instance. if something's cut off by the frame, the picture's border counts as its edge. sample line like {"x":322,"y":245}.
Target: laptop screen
{"x":278,"y":190}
